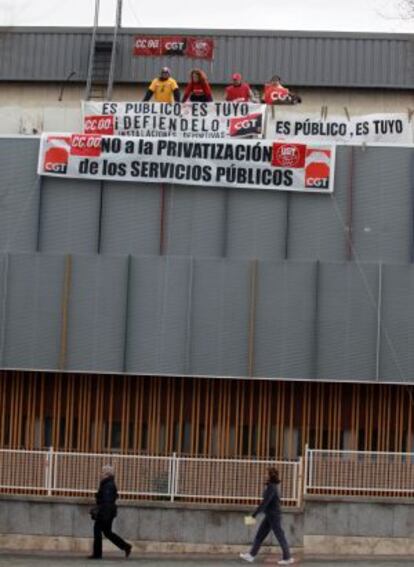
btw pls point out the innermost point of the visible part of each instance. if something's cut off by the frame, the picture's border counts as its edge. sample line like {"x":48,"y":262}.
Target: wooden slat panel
{"x":209,"y":417}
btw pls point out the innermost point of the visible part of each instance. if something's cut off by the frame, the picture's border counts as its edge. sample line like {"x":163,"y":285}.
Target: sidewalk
{"x":61,"y":560}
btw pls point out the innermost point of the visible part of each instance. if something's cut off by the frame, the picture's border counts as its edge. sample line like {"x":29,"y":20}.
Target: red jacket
{"x":199,"y":90}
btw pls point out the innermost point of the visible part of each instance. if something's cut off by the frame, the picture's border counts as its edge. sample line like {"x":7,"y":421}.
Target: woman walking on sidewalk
{"x":270,"y":507}
{"x":104,"y":514}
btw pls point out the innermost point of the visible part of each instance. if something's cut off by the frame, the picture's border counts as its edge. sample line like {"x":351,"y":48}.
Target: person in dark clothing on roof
{"x":104,"y":514}
{"x":270,"y":507}
{"x":198,"y":89}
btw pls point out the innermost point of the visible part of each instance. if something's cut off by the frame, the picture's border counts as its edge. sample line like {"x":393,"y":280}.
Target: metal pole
{"x":174,"y":475}
{"x":305,"y":475}
{"x":379,"y":322}
{"x":92,"y":51}
{"x":118,"y":20}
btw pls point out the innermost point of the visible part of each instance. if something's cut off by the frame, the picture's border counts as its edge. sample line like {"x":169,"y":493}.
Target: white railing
{"x":359,"y":473}
{"x":237,"y":481}
{"x":140,"y":476}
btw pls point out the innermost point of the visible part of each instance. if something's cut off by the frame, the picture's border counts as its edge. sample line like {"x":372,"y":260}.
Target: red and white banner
{"x":157,"y":46}
{"x":247,"y":164}
{"x":201,"y":120}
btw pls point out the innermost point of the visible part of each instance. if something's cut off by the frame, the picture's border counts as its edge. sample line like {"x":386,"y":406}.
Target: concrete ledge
{"x":330,"y":545}
{"x":346,"y":499}
{"x":15,"y":542}
{"x":165,"y":504}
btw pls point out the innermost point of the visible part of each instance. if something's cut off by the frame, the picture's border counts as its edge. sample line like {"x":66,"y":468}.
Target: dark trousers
{"x":270,"y":522}
{"x":105,"y":527}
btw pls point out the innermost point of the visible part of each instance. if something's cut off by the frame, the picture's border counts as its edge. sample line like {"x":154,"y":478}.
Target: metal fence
{"x":171,"y":478}
{"x":359,"y":473}
{"x":236,"y":481}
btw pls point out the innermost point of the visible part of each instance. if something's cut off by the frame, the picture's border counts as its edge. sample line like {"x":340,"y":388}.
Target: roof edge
{"x":212,"y":32}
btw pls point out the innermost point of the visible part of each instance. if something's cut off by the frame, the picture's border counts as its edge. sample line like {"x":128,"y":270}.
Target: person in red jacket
{"x":238,"y":91}
{"x":275,"y":93}
{"x":198,"y":88}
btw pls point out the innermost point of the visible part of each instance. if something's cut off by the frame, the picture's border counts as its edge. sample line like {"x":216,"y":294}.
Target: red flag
{"x":200,"y":48}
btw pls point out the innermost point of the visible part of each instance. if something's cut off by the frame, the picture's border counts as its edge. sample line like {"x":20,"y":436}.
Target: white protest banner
{"x":246,"y":164}
{"x":370,"y":128}
{"x":203,"y":120}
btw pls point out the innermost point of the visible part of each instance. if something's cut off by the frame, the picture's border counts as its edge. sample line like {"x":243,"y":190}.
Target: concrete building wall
{"x":324,"y":526}
{"x":358,"y":527}
{"x":184,"y":527}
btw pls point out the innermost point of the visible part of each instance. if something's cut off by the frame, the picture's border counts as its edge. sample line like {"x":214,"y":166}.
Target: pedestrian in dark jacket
{"x":270,"y":507}
{"x":104,"y":514}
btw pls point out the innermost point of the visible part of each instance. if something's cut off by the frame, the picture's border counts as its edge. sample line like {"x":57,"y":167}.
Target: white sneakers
{"x":247,"y":557}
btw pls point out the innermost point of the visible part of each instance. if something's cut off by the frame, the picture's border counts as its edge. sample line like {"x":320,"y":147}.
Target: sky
{"x":323,"y":15}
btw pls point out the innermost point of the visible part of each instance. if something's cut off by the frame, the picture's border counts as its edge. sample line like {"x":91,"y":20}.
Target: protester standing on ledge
{"x":198,"y":88}
{"x":270,"y":507}
{"x":104,"y":513}
{"x":238,"y":91}
{"x":164,"y":88}
{"x":275,"y":93}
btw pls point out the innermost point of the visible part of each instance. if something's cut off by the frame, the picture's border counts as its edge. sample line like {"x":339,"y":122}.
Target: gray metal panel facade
{"x":347,"y":322}
{"x":34,"y":55}
{"x":195,"y":221}
{"x":130,"y":218}
{"x":256,"y":225}
{"x":316,"y":225}
{"x":97,"y":313}
{"x":220,"y":317}
{"x":33,"y":311}
{"x":382,"y":204}
{"x":285,"y":320}
{"x":206,"y":306}
{"x":301,"y":58}
{"x":19,"y":194}
{"x":397,"y":325}
{"x":4,"y":260}
{"x":158,"y":304}
{"x":69,"y":218}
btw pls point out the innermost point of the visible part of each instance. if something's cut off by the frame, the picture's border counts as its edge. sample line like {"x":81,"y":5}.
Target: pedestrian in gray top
{"x":270,"y":507}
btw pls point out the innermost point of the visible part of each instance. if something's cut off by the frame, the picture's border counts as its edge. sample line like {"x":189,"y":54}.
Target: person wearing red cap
{"x":238,"y":91}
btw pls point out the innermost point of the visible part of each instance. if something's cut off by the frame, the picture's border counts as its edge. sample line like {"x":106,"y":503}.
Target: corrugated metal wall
{"x":161,"y":279}
{"x":301,"y":58}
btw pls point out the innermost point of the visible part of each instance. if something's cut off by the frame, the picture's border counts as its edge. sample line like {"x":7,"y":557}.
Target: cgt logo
{"x":317,"y":168}
{"x":56,"y":154}
{"x":173,"y":45}
{"x":245,"y":125}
